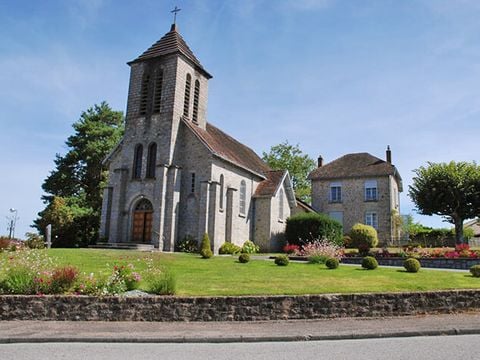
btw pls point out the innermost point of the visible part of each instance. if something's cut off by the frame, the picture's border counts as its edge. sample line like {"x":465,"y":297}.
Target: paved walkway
{"x":216,"y":332}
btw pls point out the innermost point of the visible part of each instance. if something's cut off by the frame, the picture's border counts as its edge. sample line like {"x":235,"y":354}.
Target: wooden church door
{"x":142,"y":222}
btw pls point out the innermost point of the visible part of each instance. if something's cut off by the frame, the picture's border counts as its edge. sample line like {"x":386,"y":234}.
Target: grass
{"x":224,"y":275}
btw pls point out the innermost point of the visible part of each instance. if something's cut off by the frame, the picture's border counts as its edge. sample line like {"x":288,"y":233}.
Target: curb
{"x":244,"y":339}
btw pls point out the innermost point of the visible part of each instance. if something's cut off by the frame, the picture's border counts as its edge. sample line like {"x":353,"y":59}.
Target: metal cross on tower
{"x":175,"y":11}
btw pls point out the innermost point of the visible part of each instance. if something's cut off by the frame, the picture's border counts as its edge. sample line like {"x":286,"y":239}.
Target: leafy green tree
{"x":450,"y":190}
{"x":298,"y":164}
{"x":74,"y":188}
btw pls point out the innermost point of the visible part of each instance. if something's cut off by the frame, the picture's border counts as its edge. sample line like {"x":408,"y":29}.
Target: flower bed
{"x":439,"y":263}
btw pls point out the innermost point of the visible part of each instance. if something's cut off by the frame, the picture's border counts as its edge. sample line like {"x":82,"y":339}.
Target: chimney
{"x":389,"y":155}
{"x":320,"y":161}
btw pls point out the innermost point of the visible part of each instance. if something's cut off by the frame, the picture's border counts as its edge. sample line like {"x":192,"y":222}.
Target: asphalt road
{"x":425,"y":348}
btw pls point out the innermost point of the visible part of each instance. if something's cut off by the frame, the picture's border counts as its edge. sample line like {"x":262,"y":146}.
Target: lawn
{"x":224,"y":275}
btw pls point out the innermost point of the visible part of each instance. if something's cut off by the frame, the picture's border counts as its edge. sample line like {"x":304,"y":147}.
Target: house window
{"x":157,"y":93}
{"x":192,"y":183}
{"x":186,"y":99}
{"x":243,"y":197}
{"x":151,"y":160}
{"x":371,"y":193}
{"x":196,"y":98}
{"x":137,"y":162}
{"x":371,"y":219}
{"x":144,"y":94}
{"x":336,"y":192}
{"x":280,"y":204}
{"x":336,"y":215}
{"x":222,"y":183}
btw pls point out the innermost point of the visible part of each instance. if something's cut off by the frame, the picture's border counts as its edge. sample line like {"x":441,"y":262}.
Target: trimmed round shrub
{"x":244,"y":258}
{"x":282,"y":260}
{"x":363,"y":236}
{"x":332,"y":263}
{"x":229,"y":248}
{"x":307,"y":227}
{"x":411,"y":265}
{"x":369,"y":263}
{"x":250,"y":248}
{"x":205,"y":251}
{"x":475,"y":270}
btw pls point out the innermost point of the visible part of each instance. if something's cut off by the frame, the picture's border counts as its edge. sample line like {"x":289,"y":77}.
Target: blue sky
{"x":334,"y":76}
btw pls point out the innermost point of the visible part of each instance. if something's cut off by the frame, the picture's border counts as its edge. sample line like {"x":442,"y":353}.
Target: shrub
{"x":187,"y":245}
{"x":4,"y":243}
{"x":62,"y":279}
{"x":123,"y":278}
{"x":250,"y":248}
{"x":411,"y":265}
{"x":205,"y":251}
{"x":19,"y":281}
{"x":347,"y":241}
{"x":475,"y":270}
{"x":321,"y":250}
{"x":363,"y":236}
{"x":291,"y":249}
{"x":162,"y":283}
{"x":244,"y":258}
{"x":282,"y":260}
{"x":317,"y":259}
{"x":34,"y":241}
{"x":307,"y":227}
{"x":332,"y":263}
{"x":229,"y":248}
{"x":369,"y":263}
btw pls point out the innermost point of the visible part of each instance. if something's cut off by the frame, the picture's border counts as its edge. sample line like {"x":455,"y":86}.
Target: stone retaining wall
{"x":246,"y":308}
{"x":462,"y":264}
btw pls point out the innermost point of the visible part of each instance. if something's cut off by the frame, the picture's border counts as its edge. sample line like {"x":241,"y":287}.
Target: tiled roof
{"x":268,"y":186}
{"x":172,"y":42}
{"x":354,"y":165}
{"x":227,"y":148}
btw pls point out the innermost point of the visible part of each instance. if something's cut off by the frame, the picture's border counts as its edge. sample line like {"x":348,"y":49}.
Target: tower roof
{"x":171,"y":43}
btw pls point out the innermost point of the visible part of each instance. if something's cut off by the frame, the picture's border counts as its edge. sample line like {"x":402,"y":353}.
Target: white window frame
{"x":371,"y":218}
{"x":371,"y":190}
{"x":335,"y":195}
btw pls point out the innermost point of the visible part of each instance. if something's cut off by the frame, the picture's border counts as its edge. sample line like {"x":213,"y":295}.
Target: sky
{"x":333,"y":76}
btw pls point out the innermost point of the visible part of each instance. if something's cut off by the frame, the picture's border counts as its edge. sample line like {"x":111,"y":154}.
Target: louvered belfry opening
{"x":157,"y":94}
{"x":144,"y":94}
{"x":196,"y":98}
{"x":186,"y":101}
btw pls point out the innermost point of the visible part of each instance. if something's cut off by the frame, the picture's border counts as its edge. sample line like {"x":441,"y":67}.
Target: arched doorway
{"x":142,"y":222}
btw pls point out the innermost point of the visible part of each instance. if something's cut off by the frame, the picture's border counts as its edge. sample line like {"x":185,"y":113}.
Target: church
{"x":175,"y":175}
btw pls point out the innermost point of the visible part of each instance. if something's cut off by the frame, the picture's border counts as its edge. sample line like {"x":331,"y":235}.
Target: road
{"x":425,"y":348}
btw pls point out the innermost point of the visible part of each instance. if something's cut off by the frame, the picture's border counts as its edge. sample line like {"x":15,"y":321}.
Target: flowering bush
{"x":322,"y":249}
{"x":123,"y":278}
{"x":250,"y":248}
{"x":63,"y":279}
{"x":160,"y":281}
{"x":292,"y":249}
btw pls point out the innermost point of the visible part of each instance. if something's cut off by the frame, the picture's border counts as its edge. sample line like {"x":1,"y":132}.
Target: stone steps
{"x":123,"y":246}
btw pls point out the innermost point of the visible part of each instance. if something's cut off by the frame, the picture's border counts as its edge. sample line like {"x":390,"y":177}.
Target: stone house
{"x":175,"y":175}
{"x":359,"y":188}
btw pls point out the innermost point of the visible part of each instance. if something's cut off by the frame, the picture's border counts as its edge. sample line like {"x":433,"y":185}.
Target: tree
{"x":450,"y":190}
{"x":299,"y":165}
{"x":74,"y":188}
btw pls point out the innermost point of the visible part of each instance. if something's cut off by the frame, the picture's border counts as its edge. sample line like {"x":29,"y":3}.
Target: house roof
{"x":227,"y":148}
{"x":269,"y":186}
{"x":171,"y":43}
{"x":475,"y":225}
{"x":355,"y":165}
{"x":302,"y":204}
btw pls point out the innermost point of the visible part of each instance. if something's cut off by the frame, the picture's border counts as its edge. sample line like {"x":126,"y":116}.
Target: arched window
{"x":280,"y":204}
{"x":186,"y":99}
{"x":222,"y":183}
{"x":144,"y":94}
{"x":137,"y":162}
{"x":196,"y":99}
{"x":151,"y":160}
{"x":243,"y":197}
{"x":157,"y":93}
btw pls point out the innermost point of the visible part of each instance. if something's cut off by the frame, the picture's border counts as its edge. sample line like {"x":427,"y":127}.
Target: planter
{"x":443,"y":263}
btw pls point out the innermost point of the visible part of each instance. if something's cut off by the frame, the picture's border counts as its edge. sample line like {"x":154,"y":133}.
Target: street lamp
{"x":13,"y":223}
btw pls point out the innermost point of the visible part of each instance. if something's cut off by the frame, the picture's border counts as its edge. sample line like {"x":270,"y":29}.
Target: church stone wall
{"x":353,"y":203}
